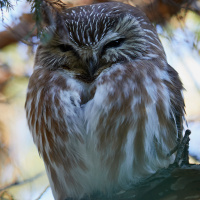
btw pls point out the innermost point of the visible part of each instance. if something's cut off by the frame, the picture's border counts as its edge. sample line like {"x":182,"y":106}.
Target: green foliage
{"x":36,"y":8}
{"x":43,"y":10}
{"x":5,"y":3}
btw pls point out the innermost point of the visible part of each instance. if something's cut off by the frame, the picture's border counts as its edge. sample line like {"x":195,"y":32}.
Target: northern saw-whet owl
{"x":103,"y":105}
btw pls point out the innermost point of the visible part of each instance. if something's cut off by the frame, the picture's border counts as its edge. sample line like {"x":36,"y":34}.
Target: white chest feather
{"x":121,"y":135}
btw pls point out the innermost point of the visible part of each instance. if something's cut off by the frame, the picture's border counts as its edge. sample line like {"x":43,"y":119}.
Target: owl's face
{"x":97,"y":36}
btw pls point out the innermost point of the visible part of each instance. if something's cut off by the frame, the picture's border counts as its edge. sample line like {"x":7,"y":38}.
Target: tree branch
{"x":22,"y":182}
{"x":42,"y":193}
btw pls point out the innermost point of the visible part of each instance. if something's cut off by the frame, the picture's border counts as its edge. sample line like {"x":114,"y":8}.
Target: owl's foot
{"x":182,"y":152}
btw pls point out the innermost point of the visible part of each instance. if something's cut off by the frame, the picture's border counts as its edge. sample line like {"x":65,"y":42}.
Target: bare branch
{"x":42,"y":193}
{"x":6,"y":196}
{"x":23,"y":182}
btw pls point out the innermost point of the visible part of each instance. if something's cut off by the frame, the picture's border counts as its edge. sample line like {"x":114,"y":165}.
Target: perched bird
{"x":103,"y":105}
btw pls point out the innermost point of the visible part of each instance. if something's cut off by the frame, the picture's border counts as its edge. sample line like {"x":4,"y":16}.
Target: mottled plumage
{"x":103,"y":105}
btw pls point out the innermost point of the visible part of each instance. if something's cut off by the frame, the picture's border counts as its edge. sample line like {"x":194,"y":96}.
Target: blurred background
{"x":22,"y":173}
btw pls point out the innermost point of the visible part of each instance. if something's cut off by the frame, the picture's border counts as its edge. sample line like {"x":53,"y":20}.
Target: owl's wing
{"x":176,"y":99}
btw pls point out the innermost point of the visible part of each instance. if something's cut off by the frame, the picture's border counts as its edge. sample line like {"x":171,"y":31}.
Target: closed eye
{"x":65,"y":47}
{"x":114,"y":44}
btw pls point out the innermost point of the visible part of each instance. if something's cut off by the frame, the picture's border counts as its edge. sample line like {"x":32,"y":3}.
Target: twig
{"x":42,"y":193}
{"x":6,"y":196}
{"x":22,"y":182}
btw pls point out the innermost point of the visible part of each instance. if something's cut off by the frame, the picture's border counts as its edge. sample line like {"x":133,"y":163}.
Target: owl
{"x":103,"y":105}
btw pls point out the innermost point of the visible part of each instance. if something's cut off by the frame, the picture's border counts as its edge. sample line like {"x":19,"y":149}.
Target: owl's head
{"x":97,"y":36}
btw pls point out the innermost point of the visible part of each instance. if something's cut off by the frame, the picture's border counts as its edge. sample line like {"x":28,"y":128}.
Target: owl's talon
{"x":182,"y":152}
{"x":173,"y":150}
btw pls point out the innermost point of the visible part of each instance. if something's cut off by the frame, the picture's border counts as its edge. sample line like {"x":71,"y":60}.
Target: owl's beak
{"x":92,"y":66}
